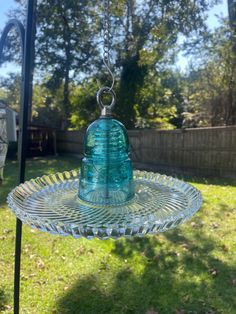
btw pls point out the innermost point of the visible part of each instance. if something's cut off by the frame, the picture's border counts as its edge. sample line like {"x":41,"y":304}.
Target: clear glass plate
{"x":51,"y":204}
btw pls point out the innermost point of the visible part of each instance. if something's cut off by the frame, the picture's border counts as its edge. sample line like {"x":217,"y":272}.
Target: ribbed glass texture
{"x":51,"y":204}
{"x":106,"y":171}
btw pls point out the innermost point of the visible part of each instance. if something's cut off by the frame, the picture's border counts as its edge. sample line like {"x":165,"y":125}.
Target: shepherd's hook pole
{"x":27,"y":51}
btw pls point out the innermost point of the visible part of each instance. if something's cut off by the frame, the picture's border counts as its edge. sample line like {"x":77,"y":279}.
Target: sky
{"x":5,"y":5}
{"x":220,"y":9}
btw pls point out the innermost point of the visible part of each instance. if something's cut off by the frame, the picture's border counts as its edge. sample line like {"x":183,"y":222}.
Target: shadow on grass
{"x":3,"y":300}
{"x":179,"y":275}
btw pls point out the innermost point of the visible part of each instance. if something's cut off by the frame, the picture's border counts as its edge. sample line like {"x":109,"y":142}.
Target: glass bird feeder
{"x":106,"y":199}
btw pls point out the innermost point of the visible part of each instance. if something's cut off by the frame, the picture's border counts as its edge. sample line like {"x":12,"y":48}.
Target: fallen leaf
{"x":81,"y":250}
{"x":6,"y":231}
{"x":233,"y":282}
{"x":32,"y":275}
{"x":177,"y":254}
{"x":151,"y":311}
{"x":40,"y":264}
{"x":104,"y":266}
{"x":23,"y":277}
{"x":225,"y":248}
{"x":157,"y":257}
{"x":214,"y":272}
{"x":185,"y":246}
{"x":8,"y":307}
{"x":215,"y":225}
{"x":197,"y":225}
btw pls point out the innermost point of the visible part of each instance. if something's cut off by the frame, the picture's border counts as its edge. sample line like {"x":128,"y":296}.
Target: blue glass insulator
{"x":106,"y":171}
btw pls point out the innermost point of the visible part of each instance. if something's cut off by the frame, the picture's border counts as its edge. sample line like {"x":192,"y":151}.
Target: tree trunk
{"x":67,"y":66}
{"x":66,"y":100}
{"x":132,"y":74}
{"x":132,"y":78}
{"x":231,"y":115}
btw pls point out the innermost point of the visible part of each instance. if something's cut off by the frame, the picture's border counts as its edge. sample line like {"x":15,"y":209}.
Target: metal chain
{"x":106,"y":109}
{"x":107,"y":40}
{"x":106,"y":32}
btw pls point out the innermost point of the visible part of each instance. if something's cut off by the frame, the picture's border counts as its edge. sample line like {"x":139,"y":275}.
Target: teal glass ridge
{"x":106,"y":172}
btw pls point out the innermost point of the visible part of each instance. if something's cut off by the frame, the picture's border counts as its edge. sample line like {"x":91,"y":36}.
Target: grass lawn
{"x":191,"y":269}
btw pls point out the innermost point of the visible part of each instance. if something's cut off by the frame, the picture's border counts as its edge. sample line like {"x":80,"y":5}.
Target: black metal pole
{"x":27,"y":50}
{"x":17,"y":265}
{"x":26,"y":93}
{"x":21,"y":33}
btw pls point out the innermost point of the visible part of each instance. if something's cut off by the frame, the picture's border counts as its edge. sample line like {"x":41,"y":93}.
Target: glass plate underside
{"x":51,"y":204}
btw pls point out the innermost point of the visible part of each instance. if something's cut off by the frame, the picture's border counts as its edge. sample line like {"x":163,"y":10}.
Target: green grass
{"x":191,"y":269}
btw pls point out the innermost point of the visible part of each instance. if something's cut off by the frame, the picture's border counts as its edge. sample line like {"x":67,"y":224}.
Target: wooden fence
{"x":200,"y":151}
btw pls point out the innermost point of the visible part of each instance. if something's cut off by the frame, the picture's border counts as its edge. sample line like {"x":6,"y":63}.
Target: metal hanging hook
{"x":106,"y":109}
{"x":106,"y":39}
{"x":107,"y":65}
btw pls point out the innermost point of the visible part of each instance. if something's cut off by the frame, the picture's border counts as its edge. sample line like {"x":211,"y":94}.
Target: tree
{"x":144,"y":33}
{"x":68,"y":42}
{"x":231,"y":119}
{"x":209,"y":86}
{"x":10,"y":90}
{"x":64,"y":44}
{"x":147,"y":31}
{"x":159,"y":103}
{"x":47,"y":106}
{"x":84,"y":108}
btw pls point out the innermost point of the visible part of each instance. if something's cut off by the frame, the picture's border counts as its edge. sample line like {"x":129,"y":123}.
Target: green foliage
{"x":64,"y":40}
{"x":157,"y":102}
{"x":47,"y":106}
{"x":10,"y":90}
{"x":64,"y":44}
{"x":210,"y":84}
{"x":84,"y":108}
{"x":68,"y":43}
{"x":148,"y":31}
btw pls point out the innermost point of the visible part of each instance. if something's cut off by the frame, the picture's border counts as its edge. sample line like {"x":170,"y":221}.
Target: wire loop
{"x":106,"y":41}
{"x":106,"y":90}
